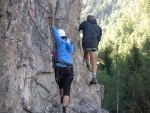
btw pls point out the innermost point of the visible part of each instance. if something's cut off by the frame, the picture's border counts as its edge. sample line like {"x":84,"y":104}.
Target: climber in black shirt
{"x":91,"y":37}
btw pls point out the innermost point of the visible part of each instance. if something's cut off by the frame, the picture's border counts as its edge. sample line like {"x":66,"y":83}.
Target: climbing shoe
{"x":93,"y":81}
{"x":64,"y":109}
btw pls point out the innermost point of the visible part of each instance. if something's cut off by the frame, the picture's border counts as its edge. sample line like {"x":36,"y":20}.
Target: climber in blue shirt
{"x":64,"y":47}
{"x":64,"y":68}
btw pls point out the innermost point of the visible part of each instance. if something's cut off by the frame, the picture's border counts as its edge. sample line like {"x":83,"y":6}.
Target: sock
{"x":94,"y":75}
{"x":64,"y":109}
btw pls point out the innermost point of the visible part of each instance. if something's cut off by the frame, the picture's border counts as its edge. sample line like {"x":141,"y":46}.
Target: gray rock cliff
{"x":27,"y":83}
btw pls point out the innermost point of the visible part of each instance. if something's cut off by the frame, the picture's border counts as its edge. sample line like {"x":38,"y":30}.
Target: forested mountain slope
{"x":124,"y":53}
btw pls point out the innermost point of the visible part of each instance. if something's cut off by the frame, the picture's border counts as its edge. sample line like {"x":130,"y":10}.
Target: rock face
{"x":27,"y":83}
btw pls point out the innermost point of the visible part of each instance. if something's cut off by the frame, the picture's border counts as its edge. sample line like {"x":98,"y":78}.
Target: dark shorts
{"x":64,"y":77}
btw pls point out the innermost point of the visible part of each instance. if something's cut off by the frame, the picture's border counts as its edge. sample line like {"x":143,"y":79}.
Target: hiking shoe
{"x":64,"y":109}
{"x":93,"y":81}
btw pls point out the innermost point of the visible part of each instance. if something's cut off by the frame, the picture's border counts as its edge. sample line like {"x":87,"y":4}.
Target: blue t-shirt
{"x":63,"y":50}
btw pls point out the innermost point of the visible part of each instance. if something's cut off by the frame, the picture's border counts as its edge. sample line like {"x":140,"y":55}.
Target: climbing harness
{"x":64,"y":63}
{"x":68,"y":68}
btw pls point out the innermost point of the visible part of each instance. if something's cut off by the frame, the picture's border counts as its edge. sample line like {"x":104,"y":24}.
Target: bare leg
{"x":86,"y":57}
{"x":65,"y":100}
{"x":93,"y":58}
{"x":67,"y":85}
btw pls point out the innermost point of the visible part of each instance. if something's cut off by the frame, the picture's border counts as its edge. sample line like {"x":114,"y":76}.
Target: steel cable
{"x":43,"y":8}
{"x":36,"y":26}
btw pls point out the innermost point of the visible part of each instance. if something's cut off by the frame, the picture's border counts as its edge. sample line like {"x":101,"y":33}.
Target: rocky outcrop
{"x":27,"y":83}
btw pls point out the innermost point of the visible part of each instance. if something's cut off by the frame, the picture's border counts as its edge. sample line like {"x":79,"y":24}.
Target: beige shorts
{"x":91,"y":50}
{"x":94,"y":52}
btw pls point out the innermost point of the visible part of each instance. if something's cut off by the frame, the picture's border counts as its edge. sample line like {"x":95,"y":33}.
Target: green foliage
{"x":106,"y":60}
{"x":99,"y":7}
{"x":124,"y":56}
{"x":134,"y":59}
